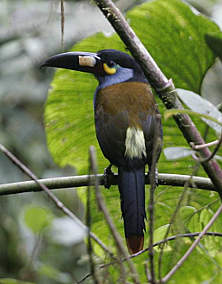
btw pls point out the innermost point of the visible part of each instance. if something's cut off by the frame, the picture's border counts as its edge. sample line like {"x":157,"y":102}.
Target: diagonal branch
{"x":162,"y":85}
{"x":56,"y":201}
{"x":113,"y":231}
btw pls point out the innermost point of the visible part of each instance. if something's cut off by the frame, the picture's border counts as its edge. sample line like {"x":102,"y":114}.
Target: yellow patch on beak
{"x":87,"y":61}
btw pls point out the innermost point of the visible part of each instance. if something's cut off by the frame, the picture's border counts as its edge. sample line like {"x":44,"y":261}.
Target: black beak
{"x":80,"y":61}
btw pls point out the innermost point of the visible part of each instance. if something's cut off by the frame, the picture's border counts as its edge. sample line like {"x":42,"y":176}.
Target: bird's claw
{"x":108,"y":174}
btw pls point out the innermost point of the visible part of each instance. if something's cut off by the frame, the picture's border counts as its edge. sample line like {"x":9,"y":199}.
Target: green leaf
{"x":212,"y":244}
{"x":160,"y":233}
{"x":174,"y":36}
{"x":174,"y":153}
{"x":186,"y":212}
{"x":37,"y":219}
{"x":214,"y":40}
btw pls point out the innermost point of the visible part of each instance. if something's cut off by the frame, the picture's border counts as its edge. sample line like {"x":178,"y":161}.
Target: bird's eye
{"x":109,"y":67}
{"x":110,"y":64}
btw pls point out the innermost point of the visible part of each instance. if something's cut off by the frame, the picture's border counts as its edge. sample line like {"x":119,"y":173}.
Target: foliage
{"x":44,"y":219}
{"x":67,"y":140}
{"x":29,"y":33}
{"x":174,"y":36}
{"x":30,"y":247}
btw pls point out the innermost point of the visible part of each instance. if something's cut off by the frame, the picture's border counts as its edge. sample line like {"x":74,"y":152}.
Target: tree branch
{"x":79,"y":181}
{"x":162,"y":85}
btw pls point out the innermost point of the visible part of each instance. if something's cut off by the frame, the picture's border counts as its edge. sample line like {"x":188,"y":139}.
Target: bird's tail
{"x":132,"y":193}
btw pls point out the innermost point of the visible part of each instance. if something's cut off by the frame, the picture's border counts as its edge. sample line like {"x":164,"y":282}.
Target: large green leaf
{"x":172,"y":33}
{"x":174,"y":36}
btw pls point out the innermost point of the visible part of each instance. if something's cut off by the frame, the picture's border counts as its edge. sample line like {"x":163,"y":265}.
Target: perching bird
{"x":125,"y":120}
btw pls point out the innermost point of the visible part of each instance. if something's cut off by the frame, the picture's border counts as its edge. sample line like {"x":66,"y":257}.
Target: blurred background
{"x":30,"y":31}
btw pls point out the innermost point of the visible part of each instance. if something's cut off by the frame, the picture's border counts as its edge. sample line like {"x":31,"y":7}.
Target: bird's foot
{"x":108,"y":174}
{"x":155,"y":177}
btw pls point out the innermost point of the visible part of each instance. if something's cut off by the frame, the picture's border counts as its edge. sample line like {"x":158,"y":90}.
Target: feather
{"x":132,"y":194}
{"x":135,"y":243}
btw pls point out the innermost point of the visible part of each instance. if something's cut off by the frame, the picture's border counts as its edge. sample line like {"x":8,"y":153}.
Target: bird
{"x":127,"y":120}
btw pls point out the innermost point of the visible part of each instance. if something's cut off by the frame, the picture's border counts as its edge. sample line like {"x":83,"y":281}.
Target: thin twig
{"x":157,"y":144}
{"x":151,"y":229}
{"x":151,"y":221}
{"x":198,"y":147}
{"x":94,"y":170}
{"x":213,"y":153}
{"x":147,"y":273}
{"x":88,"y":220}
{"x":172,"y":238}
{"x":114,"y":232}
{"x":57,"y":202}
{"x":201,"y":209}
{"x":62,"y":23}
{"x":186,"y":186}
{"x":192,"y":247}
{"x":172,"y":219}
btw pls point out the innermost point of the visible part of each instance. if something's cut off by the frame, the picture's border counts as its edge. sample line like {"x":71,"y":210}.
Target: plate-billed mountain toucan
{"x":125,"y":120}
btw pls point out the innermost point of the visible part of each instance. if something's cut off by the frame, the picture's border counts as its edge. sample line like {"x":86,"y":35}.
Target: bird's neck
{"x":122,"y":75}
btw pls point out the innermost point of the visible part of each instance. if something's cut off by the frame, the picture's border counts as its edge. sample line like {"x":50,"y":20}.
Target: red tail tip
{"x":135,"y":244}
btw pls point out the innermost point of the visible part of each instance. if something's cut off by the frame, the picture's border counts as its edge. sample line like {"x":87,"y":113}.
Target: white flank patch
{"x":87,"y":61}
{"x":135,"y":143}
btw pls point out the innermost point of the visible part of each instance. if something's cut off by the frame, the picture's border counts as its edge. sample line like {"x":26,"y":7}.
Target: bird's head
{"x":109,"y":66}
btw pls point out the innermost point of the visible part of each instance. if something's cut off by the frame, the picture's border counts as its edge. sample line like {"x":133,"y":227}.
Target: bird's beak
{"x":80,"y":61}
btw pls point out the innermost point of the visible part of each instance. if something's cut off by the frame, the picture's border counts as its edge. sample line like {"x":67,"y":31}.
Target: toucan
{"x":126,"y":121}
